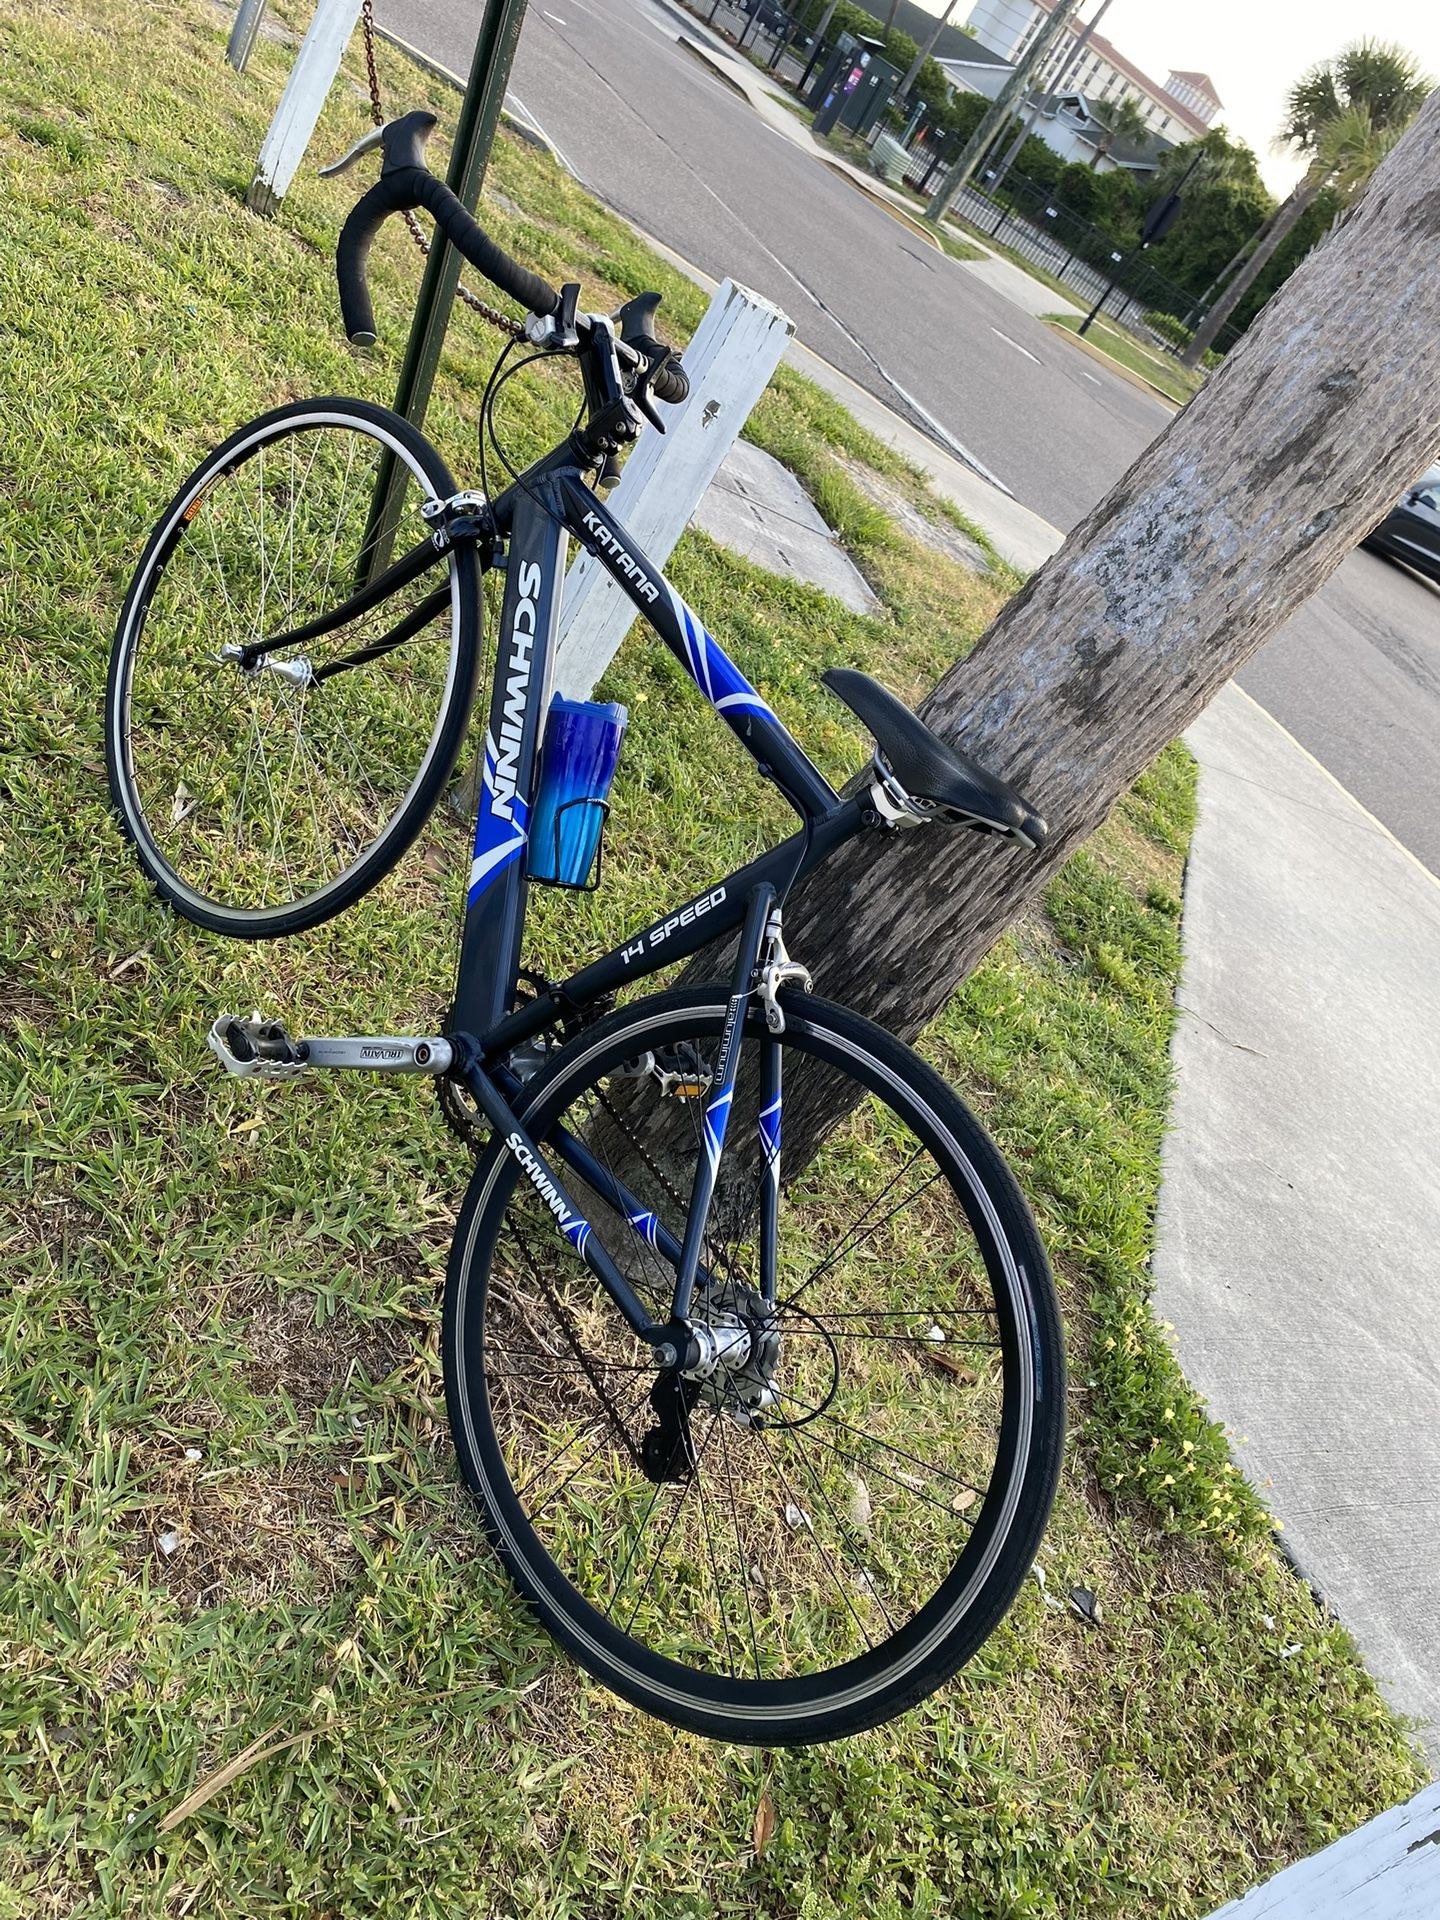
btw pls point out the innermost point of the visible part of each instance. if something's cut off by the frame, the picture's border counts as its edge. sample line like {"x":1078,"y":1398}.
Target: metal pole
{"x":1066,"y":67}
{"x":1105,"y":292}
{"x":474,"y":135}
{"x":820,"y":33}
{"x":995,"y":119}
{"x":241,"y":43}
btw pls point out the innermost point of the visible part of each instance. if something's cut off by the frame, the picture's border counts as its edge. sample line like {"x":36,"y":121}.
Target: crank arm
{"x":264,"y":1050}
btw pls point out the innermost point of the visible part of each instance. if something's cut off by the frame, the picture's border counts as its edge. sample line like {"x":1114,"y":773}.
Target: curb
{"x":1117,"y":367}
{"x":708,"y":60}
{"x":881,"y":200}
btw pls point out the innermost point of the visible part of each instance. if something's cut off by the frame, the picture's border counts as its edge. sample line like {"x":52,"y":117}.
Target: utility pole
{"x":1066,"y":68}
{"x":925,"y":52}
{"x":1014,"y":87}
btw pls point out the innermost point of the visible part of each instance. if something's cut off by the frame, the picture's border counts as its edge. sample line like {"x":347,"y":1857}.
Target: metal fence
{"x":1022,"y":216}
{"x":755,"y":30}
{"x":1030,"y":221}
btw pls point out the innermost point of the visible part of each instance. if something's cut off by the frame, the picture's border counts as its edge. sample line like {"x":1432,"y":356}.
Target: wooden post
{"x":736,"y":349}
{"x":311,"y":79}
{"x":1388,"y":1869}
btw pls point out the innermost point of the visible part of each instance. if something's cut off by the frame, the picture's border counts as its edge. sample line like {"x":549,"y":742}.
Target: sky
{"x":1254,"y":49}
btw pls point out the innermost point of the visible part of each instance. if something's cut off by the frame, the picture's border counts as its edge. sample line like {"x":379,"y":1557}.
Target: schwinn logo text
{"x":540,"y":1180}
{"x":663,"y":929}
{"x":626,"y":562}
{"x":517,"y":686}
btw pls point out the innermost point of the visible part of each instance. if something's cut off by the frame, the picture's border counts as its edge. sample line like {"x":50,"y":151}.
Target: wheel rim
{"x":250,"y":790}
{"x":822,"y":1561}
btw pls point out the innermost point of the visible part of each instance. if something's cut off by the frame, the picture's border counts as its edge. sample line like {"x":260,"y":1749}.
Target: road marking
{"x":1093,"y":378}
{"x":1016,"y":344}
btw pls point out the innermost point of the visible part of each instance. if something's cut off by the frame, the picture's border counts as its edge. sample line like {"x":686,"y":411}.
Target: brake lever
{"x":557,"y":332}
{"x":367,"y":143}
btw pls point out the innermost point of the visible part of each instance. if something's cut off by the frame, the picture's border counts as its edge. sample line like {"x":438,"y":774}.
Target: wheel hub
{"x":739,"y":1339}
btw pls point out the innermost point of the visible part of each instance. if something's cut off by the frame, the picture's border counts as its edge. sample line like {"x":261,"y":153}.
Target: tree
{"x":923,"y":53}
{"x":992,"y":127}
{"x":1226,"y":523}
{"x":1121,"y":119}
{"x":1344,"y":114}
{"x":1226,"y":203}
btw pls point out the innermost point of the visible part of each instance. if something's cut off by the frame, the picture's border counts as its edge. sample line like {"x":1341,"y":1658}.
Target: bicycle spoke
{"x":289,"y":790}
{"x":846,"y":1457}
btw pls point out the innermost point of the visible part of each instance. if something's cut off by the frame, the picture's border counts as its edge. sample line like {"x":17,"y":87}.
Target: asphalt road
{"x":1355,"y":676}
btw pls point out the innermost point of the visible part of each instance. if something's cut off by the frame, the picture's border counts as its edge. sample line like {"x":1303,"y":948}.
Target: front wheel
{"x":266,"y":791}
{"x":850,"y":1515}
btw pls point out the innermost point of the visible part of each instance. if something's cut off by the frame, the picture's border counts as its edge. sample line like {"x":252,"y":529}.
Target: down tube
{"x":495,"y":899}
{"x":748,"y":716}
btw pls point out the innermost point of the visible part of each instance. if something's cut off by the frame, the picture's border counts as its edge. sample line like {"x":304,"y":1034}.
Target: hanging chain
{"x":497,"y":319}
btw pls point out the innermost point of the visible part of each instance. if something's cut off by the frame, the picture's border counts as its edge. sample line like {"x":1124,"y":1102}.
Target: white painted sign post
{"x":1386,"y":1870}
{"x":311,"y":79}
{"x":736,"y":349}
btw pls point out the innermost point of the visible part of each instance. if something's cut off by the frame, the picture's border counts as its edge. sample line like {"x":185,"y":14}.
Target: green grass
{"x":195,"y":1268}
{"x":1160,"y":369}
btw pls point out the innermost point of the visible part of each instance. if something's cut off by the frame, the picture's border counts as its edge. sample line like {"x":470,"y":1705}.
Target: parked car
{"x":1411,"y":530}
{"x":773,"y":17}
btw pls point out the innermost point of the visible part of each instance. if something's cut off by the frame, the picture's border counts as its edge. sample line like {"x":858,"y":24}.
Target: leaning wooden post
{"x":311,"y":79}
{"x":736,"y":349}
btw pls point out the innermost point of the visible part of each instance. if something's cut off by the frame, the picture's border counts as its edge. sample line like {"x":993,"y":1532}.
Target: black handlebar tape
{"x":671,"y":383}
{"x":367,"y":216}
{"x":473,"y":243}
{"x":402,"y":187}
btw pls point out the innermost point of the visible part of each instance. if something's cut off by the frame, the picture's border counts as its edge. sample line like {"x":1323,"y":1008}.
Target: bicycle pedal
{"x":681,"y":1072}
{"x":257,"y":1047}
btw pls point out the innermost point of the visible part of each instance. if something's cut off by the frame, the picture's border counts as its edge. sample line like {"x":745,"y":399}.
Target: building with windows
{"x":1004,"y":30}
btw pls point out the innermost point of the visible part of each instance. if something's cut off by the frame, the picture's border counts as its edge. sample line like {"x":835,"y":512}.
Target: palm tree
{"x":1120,"y":119}
{"x":1344,"y":115}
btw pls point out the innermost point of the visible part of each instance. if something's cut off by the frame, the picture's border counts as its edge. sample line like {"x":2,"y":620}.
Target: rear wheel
{"x":850,"y":1515}
{"x":264,"y":794}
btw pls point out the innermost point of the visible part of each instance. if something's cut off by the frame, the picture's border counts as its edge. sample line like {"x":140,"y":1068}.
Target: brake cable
{"x":496,"y":318}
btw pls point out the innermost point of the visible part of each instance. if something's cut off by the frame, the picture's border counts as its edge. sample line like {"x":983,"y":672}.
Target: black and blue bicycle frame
{"x":533,"y":519}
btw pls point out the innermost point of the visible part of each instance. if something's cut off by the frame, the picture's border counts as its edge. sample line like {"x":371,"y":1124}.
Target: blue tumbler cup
{"x":577,"y":764}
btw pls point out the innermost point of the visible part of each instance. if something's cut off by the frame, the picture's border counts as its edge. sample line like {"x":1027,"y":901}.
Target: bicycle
{"x":769,"y":1449}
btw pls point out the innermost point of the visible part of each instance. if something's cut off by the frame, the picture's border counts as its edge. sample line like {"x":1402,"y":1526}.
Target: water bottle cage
{"x":588,"y":885}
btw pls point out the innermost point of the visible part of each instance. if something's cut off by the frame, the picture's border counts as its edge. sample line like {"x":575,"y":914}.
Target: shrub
{"x":1169,"y":328}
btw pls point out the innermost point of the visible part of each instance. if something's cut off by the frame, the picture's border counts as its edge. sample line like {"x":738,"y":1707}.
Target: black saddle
{"x":929,"y":770}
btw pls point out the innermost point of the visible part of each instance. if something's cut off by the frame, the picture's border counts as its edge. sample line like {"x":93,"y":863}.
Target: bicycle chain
{"x":496,"y":318}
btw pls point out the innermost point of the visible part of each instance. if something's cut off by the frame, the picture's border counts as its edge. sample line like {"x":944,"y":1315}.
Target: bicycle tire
{"x":243,"y":551}
{"x":499,"y":1420}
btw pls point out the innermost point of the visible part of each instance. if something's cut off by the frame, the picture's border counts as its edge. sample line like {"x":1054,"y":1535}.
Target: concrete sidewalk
{"x":1298,"y":1242}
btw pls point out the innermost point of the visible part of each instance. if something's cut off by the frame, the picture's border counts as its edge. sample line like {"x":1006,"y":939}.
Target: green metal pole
{"x":474,"y":134}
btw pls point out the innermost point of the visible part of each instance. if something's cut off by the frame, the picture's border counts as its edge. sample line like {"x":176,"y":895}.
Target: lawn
{"x":230,"y":1526}
{"x":1162,"y":370}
